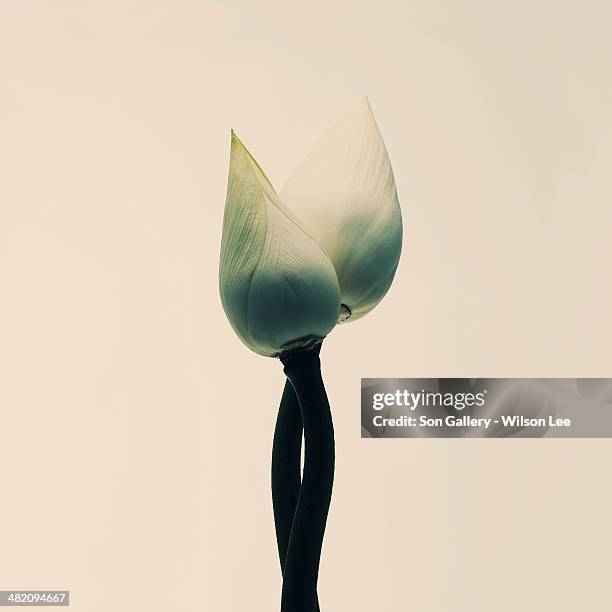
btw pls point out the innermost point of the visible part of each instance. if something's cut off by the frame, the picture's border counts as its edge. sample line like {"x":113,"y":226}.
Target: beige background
{"x":136,"y":429}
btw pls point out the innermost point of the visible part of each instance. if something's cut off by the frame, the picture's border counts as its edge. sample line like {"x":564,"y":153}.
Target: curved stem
{"x":301,"y":570}
{"x":286,"y":468}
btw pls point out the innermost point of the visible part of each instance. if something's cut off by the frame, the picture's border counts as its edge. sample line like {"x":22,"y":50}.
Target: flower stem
{"x":286,"y":469}
{"x":301,"y":569}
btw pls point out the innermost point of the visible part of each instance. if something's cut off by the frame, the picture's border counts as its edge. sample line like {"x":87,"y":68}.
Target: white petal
{"x":278,"y":287}
{"x":344,"y":192}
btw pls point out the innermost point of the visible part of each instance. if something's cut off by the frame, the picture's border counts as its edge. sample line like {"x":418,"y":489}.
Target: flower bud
{"x":344,"y":193}
{"x":278,"y":287}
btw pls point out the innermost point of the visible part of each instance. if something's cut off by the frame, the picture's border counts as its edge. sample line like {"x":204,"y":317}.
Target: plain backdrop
{"x":136,"y":429}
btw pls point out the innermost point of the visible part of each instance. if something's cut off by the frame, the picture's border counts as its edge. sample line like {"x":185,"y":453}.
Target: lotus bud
{"x":344,"y":193}
{"x":278,"y":288}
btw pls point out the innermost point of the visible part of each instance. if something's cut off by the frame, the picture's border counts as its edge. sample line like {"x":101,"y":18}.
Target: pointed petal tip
{"x":237,"y":144}
{"x":364,"y":104}
{"x":362,"y":109}
{"x":240,"y":154}
{"x":238,"y":151}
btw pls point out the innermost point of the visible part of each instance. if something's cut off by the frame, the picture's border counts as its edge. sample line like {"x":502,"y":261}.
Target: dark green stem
{"x":286,"y":469}
{"x":301,"y":569}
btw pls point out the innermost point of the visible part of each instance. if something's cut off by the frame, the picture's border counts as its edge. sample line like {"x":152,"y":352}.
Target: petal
{"x":277,"y":285}
{"x":344,"y":192}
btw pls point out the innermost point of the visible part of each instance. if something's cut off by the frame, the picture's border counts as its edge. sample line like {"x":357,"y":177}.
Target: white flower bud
{"x":278,"y":287}
{"x":344,"y":193}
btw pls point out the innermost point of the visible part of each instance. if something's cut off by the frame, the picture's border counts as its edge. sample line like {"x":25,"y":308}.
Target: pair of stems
{"x":301,"y":500}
